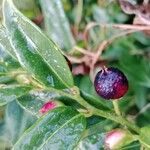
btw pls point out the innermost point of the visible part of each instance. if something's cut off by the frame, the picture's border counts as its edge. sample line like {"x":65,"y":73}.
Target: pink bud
{"x":113,"y":138}
{"x":48,"y":106}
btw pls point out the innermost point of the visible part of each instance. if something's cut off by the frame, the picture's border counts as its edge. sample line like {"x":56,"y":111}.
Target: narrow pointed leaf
{"x":10,"y":93}
{"x":27,"y":7}
{"x":61,"y":128}
{"x":35,"y":52}
{"x":95,"y":141}
{"x":56,"y":23}
{"x":4,"y":42}
{"x":16,"y":122}
{"x":35,"y":99}
{"x":145,"y":136}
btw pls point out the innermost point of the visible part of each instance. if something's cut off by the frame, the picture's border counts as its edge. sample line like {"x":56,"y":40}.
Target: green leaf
{"x":137,"y":69}
{"x":103,"y":125}
{"x":5,"y":79}
{"x":56,"y":23}
{"x":89,"y":94}
{"x":5,"y":44}
{"x":27,"y":7}
{"x":94,"y":100}
{"x":16,"y":122}
{"x":35,"y":99}
{"x":95,"y":141}
{"x":35,"y":52}
{"x":143,"y":118}
{"x":132,"y":146}
{"x":95,"y":136}
{"x":61,"y":128}
{"x":140,"y":96}
{"x":10,"y":93}
{"x":4,"y":143}
{"x":145,"y":136}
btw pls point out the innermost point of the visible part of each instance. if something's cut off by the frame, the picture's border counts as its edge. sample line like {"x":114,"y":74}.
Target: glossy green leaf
{"x":61,"y":128}
{"x":5,"y":79}
{"x":132,"y":146}
{"x":4,"y":42}
{"x":4,"y":143}
{"x":137,"y":69}
{"x":94,"y":100}
{"x":16,"y":122}
{"x":56,"y":23}
{"x":8,"y":65}
{"x":95,"y":141}
{"x":35,"y":52}
{"x":10,"y":93}
{"x":143,"y":118}
{"x":27,"y":7}
{"x":35,"y":99}
{"x":140,"y":96}
{"x":95,"y":136}
{"x":89,"y":94}
{"x":145,"y":136}
{"x":102,"y":125}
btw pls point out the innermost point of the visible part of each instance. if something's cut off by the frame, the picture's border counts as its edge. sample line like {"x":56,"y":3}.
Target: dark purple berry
{"x":111,"y":83}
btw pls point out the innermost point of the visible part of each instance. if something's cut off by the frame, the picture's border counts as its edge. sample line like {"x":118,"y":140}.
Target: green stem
{"x":95,"y":111}
{"x":108,"y":115}
{"x":116,"y":107}
{"x":102,"y":113}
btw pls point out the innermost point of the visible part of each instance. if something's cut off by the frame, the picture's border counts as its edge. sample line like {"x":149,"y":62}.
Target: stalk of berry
{"x":111,"y":84}
{"x":93,"y":110}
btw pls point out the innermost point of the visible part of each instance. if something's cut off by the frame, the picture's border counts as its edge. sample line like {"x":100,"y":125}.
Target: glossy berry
{"x":111,"y":83}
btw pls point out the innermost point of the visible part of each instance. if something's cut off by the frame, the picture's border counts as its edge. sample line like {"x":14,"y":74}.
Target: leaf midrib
{"x":67,"y":122}
{"x":52,"y":69}
{"x":32,"y":128}
{"x":16,"y":97}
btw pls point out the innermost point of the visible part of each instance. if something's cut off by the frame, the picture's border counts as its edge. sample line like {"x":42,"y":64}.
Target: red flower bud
{"x":117,"y":138}
{"x":49,"y":106}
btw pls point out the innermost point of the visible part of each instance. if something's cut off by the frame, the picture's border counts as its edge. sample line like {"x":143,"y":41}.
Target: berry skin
{"x":111,"y":83}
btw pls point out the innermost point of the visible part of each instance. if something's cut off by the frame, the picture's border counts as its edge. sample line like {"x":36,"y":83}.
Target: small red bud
{"x":117,"y":138}
{"x":113,"y":138}
{"x":49,"y":106}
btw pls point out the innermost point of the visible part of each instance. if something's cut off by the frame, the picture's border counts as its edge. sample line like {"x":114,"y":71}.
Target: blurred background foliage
{"x":65,"y":22}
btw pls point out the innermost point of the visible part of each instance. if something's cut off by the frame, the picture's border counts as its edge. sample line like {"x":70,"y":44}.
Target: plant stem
{"x":116,"y":107}
{"x":118,"y":119}
{"x":106,"y":114}
{"x":94,"y":111}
